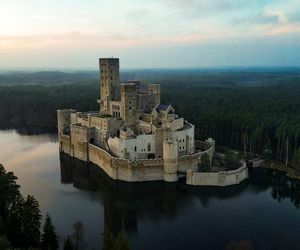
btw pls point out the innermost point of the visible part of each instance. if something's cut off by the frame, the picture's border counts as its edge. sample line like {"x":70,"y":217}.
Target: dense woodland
{"x":21,"y":219}
{"x":256,"y":119}
{"x":256,"y":111}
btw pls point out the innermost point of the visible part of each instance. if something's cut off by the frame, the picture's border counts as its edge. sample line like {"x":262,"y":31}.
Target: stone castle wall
{"x":124,"y":169}
{"x":222,"y":178}
{"x":65,"y":143}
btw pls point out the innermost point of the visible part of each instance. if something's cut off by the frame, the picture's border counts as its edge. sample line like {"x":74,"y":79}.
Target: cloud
{"x":285,"y":29}
{"x":265,"y":16}
{"x":272,"y":20}
{"x":295,"y":17}
{"x":211,"y":6}
{"x":120,"y":40}
{"x":77,"y":26}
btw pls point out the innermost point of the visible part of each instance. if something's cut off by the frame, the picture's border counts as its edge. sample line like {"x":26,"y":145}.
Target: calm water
{"x":154,"y":215}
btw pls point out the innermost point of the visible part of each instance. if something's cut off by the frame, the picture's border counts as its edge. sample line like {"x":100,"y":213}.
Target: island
{"x":135,"y":138}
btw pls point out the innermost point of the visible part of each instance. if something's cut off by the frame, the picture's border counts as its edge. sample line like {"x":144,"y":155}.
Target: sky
{"x":149,"y":34}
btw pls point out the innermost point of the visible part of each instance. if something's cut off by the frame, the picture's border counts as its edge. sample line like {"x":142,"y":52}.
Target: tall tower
{"x":128,"y":103}
{"x":109,"y":82}
{"x":154,"y":89}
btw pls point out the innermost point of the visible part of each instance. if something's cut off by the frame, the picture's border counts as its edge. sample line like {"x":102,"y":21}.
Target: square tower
{"x":128,"y":103}
{"x":109,"y":83}
{"x":154,"y":89}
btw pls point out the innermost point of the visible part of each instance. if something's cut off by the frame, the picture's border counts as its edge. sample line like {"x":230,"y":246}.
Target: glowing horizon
{"x":160,"y":33}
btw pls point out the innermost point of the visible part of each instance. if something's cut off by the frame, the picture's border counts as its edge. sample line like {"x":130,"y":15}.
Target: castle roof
{"x":162,"y":107}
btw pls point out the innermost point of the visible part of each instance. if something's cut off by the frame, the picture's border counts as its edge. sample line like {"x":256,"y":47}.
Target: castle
{"x":133,"y":137}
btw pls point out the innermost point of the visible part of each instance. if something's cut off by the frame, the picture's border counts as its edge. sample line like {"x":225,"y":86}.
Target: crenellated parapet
{"x":136,"y":170}
{"x":221,"y":178}
{"x":133,"y":137}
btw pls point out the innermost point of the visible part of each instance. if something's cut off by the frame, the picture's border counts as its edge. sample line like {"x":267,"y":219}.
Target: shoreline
{"x":278,"y":166}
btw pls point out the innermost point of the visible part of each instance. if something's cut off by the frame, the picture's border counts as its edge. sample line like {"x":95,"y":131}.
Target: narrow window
{"x":149,"y":147}
{"x":135,"y":149}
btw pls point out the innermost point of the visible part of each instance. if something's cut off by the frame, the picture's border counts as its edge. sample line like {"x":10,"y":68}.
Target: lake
{"x":263,"y":211}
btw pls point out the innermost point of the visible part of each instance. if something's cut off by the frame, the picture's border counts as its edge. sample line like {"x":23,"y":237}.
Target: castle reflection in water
{"x":125,"y":202}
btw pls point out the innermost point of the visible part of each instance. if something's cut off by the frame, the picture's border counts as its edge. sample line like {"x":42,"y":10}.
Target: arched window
{"x":149,"y":147}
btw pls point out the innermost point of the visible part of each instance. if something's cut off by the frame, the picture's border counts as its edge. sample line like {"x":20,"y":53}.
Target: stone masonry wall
{"x":123,"y":169}
{"x":126,"y":170}
{"x":65,"y":143}
{"x":222,"y":178}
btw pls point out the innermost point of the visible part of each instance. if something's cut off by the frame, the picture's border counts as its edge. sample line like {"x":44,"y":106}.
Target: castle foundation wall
{"x":126,"y":170}
{"x":64,"y":143}
{"x":221,"y":179}
{"x":130,"y":170}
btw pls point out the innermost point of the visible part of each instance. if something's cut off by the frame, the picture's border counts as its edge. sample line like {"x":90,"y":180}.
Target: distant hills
{"x":205,"y":76}
{"x":46,"y":77}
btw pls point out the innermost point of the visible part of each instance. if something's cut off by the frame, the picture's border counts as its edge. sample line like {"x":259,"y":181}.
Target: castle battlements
{"x":133,"y":136}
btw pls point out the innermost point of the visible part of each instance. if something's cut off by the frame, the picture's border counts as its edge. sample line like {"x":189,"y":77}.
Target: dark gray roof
{"x":162,"y":107}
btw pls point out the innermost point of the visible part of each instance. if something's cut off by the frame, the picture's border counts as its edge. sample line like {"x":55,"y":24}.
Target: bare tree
{"x":78,"y":235}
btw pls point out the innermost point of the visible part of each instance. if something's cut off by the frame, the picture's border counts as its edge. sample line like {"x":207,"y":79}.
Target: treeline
{"x":46,"y":77}
{"x":263,"y":118}
{"x":22,"y":106}
{"x":20,"y":218}
{"x":20,"y":223}
{"x":206,"y":76}
{"x":256,"y":120}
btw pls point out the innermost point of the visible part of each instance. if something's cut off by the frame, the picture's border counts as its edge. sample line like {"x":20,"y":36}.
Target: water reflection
{"x":282,"y":187}
{"x":263,"y":210}
{"x":225,"y":213}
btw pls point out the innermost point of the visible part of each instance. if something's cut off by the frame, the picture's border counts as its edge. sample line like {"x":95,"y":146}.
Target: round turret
{"x":170,"y":154}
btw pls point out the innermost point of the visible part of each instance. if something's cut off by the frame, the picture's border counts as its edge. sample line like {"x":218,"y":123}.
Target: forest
{"x":255,"y":111}
{"x":21,"y":223}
